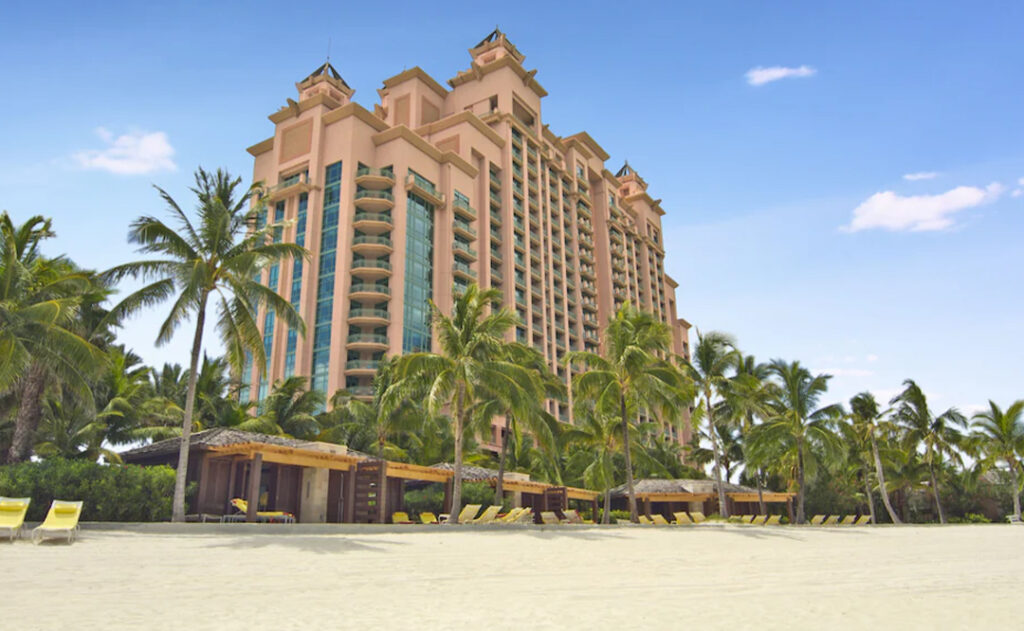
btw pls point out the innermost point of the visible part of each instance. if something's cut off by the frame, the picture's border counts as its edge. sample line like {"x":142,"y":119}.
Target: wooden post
{"x":789,"y":509}
{"x":255,"y":470}
{"x":232,"y":471}
{"x":647,"y":506}
{"x":446,"y":506}
{"x":348,"y":504}
{"x":382,"y":493}
{"x":593,"y":510}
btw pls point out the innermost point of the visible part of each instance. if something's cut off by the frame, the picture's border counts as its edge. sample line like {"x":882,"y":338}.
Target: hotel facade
{"x":436,"y":188}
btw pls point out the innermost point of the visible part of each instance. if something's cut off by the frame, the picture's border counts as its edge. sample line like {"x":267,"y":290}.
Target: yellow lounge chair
{"x":645,"y":520}
{"x":549,"y":518}
{"x":746,"y":519}
{"x":400,"y":517}
{"x":525,"y":517}
{"x":863,"y":520}
{"x":698,"y":517}
{"x":12,"y":514}
{"x":659,"y":520}
{"x":487,"y":517}
{"x":817,"y":520}
{"x":759,"y":520}
{"x":268,"y":516}
{"x":469,"y":511}
{"x":682,"y":519}
{"x":511,"y":516}
{"x":774,"y":520}
{"x":61,"y":521}
{"x":831,"y":521}
{"x":428,"y":518}
{"x":848,"y":520}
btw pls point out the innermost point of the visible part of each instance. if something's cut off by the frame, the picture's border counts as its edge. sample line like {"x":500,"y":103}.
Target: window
{"x":325,"y":280}
{"x":296,"y":290}
{"x":419,"y":274}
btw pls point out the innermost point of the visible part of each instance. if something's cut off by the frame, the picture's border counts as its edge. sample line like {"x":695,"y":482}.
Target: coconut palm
{"x":473,"y":362}
{"x":938,"y":435}
{"x":41,"y":300}
{"x":714,"y":356}
{"x":220,"y":259}
{"x":746,"y":400}
{"x":865,"y":419}
{"x":293,"y":408}
{"x":1001,"y":437}
{"x":797,"y":431}
{"x":630,"y":378}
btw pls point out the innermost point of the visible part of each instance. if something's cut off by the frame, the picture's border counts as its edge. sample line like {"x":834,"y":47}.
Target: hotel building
{"x":440,"y":186}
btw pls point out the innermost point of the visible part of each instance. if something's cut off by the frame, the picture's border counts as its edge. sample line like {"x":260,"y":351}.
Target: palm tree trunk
{"x":762,"y":510}
{"x":867,"y":493}
{"x":453,"y":514}
{"x":935,"y":492}
{"x":499,"y":490}
{"x":1016,"y":491}
{"x":881,"y":482}
{"x":633,"y":517}
{"x":723,"y":508}
{"x":800,"y":516}
{"x":30,"y":410}
{"x":181,"y":475}
{"x":606,"y":513}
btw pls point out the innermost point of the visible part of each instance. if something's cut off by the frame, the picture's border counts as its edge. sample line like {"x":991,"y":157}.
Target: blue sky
{"x":778,"y":135}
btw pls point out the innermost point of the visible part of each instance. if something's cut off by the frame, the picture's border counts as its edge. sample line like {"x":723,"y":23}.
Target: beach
{"x":709,"y":576}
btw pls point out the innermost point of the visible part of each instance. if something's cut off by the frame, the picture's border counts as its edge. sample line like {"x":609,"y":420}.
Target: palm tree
{"x":797,"y":431}
{"x":714,"y":356}
{"x":40,"y":303}
{"x":865,"y":418}
{"x":472,"y":362}
{"x":1001,"y":437}
{"x":293,"y":408}
{"x":218,"y":259}
{"x":630,"y":377}
{"x":746,"y":399}
{"x":938,"y":435}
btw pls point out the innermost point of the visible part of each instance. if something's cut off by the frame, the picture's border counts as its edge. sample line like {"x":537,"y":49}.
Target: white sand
{"x":563,"y":578}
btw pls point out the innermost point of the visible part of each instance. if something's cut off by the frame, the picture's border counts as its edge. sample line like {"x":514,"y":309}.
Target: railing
{"x":465,"y":269}
{"x":362,"y":364}
{"x":459,"y":246}
{"x":377,"y":263}
{"x":464,"y":225}
{"x":369,"y":313}
{"x":361,"y":391}
{"x":371,"y":194}
{"x":371,"y":240}
{"x":425,"y":184}
{"x":463,"y":205}
{"x":370,"y":288}
{"x":367,"y":338}
{"x":365,"y":216}
{"x":382,"y":172}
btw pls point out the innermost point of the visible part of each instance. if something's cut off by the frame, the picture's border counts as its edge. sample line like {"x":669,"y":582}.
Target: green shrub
{"x":110,"y":492}
{"x":620,"y":514}
{"x":970,"y":518}
{"x":431,"y":498}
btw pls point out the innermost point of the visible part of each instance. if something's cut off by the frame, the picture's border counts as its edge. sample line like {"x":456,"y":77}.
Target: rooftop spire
{"x":625,"y":170}
{"x":496,"y":41}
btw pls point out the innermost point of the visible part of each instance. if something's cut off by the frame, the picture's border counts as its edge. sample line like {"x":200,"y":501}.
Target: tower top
{"x":494,"y":46}
{"x":325,"y":80}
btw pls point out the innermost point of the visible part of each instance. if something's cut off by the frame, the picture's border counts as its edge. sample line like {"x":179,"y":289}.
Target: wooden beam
{"x":771,"y":497}
{"x":674,"y":497}
{"x":255,"y":470}
{"x":406,"y":471}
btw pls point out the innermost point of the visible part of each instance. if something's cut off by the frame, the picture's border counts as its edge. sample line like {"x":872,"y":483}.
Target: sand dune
{"x":558,"y":578}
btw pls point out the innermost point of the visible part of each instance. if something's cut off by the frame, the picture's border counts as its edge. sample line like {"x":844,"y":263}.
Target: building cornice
{"x":655,"y":204}
{"x":261,"y":147}
{"x":591,"y":144}
{"x":477,"y":72}
{"x":463,"y":117}
{"x":295,"y":108}
{"x":401,"y":132}
{"x":415,"y":73}
{"x":354,"y":109}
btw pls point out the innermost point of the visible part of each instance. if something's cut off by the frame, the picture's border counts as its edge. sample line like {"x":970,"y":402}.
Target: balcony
{"x":361,"y":366}
{"x":374,"y":201}
{"x":496,"y":255}
{"x":371,"y":317}
{"x":462,"y":270}
{"x":424,"y":188}
{"x":370,"y":268}
{"x":371,"y":222}
{"x":496,"y":275}
{"x":298,"y":183}
{"x":461,"y":226}
{"x":463,"y":250}
{"x":370,"y":244}
{"x":462,"y":207}
{"x":368,"y":341}
{"x":495,"y":217}
{"x":495,"y":179}
{"x":495,"y":199}
{"x":361,"y":392}
{"x":369,"y":292}
{"x":369,"y":177}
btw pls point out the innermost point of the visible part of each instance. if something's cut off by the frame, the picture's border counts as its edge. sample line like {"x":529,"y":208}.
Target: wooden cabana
{"x":669,"y":496}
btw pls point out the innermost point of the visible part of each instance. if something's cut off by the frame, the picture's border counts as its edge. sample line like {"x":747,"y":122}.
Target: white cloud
{"x":133,"y":153}
{"x":1017,"y":192}
{"x":761,"y":75}
{"x":920,"y":175}
{"x":891,"y":211}
{"x":846,"y":372}
{"x":872,"y":357}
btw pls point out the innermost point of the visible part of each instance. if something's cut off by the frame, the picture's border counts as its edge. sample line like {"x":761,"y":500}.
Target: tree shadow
{"x":320,"y":544}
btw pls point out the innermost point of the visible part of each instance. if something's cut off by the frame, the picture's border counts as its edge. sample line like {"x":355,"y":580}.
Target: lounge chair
{"x":759,"y":520}
{"x":400,"y":517}
{"x":469,"y":511}
{"x":746,"y":519}
{"x":266,"y":516}
{"x":682,"y":519}
{"x":550,"y":518}
{"x":698,"y":517}
{"x":525,"y":517}
{"x":774,"y":520}
{"x":645,"y":520}
{"x":659,"y":520}
{"x":833,"y":520}
{"x":849,"y":520}
{"x":573,"y":516}
{"x":486,"y":517}
{"x":863,"y":520}
{"x":511,"y":516}
{"x":12,"y":515}
{"x":428,"y":518}
{"x":817,"y":520}
{"x":61,"y":521}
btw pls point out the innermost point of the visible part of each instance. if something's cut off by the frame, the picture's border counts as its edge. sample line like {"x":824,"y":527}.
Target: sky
{"x":843,"y":183}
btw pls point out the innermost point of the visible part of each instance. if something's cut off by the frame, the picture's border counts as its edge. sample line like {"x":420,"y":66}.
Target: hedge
{"x":110,"y":492}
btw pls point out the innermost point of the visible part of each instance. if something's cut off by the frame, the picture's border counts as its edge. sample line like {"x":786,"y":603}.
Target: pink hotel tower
{"x":436,"y":188}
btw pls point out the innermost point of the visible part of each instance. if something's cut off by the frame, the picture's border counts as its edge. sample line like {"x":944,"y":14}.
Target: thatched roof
{"x":654,"y":485}
{"x":470,"y":473}
{"x":216,"y":437}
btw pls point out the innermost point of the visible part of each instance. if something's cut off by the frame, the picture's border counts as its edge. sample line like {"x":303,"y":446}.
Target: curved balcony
{"x":369,"y":317}
{"x":462,"y":208}
{"x":422,"y":187}
{"x":372,"y":244}
{"x":367,"y":342}
{"x":369,"y":177}
{"x":361,"y":366}
{"x":374,"y":201}
{"x":369,"y":292}
{"x":361,"y":392}
{"x":372,"y":222}
{"x":462,"y":270}
{"x":370,"y":268}
{"x":463,"y":250}
{"x":462,"y":227}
